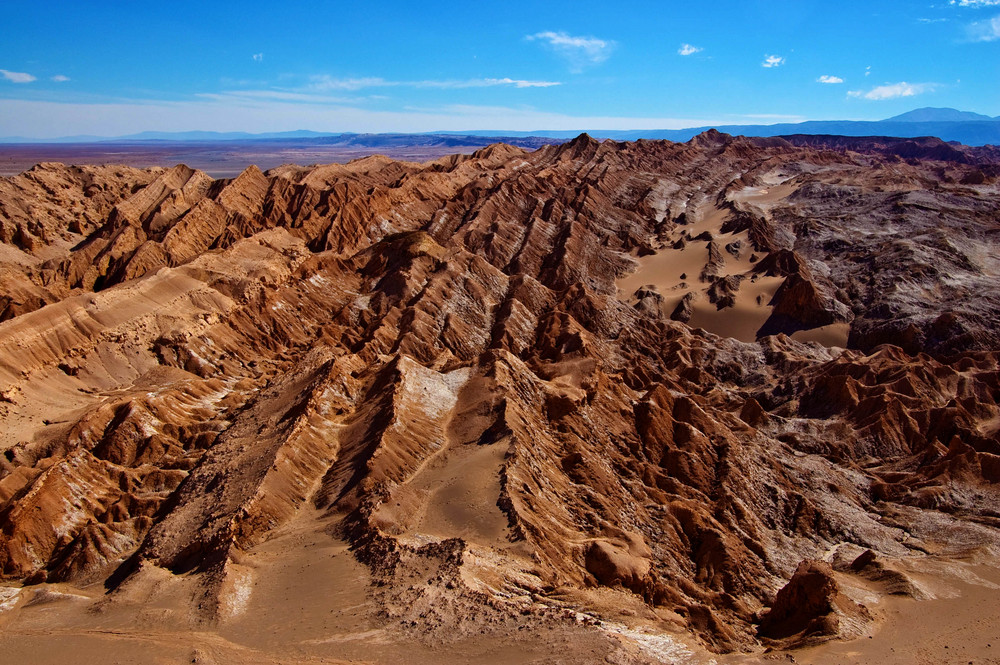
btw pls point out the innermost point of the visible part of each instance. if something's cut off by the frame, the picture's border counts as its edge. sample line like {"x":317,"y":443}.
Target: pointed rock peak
{"x":181,"y":168}
{"x":500,"y":151}
{"x":46,"y":166}
{"x":245,"y":193}
{"x":711,"y":137}
{"x":251,"y":171}
{"x":248,"y":175}
{"x":400,"y":249}
{"x":583,"y":146}
{"x":176,"y":176}
{"x":371,"y":161}
{"x":584,"y":142}
{"x":783,"y":263}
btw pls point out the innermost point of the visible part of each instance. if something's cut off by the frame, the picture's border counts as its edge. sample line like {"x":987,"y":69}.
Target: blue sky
{"x":112,"y":68}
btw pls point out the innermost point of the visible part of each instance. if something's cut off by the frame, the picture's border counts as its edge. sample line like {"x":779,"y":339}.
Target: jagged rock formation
{"x":450,"y":361}
{"x":812,"y":605}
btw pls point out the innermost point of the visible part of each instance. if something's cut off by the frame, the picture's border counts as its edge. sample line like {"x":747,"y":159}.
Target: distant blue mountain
{"x":931,"y":114}
{"x":946,"y":124}
{"x":973,"y":133}
{"x":974,"y":129}
{"x":217,"y":136}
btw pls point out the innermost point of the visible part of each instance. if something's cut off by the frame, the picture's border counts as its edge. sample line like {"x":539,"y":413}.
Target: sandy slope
{"x":956,"y":621}
{"x":307,"y":600}
{"x":301,"y":597}
{"x":677,"y":268}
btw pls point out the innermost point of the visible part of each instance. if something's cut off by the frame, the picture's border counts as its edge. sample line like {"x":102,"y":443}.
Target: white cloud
{"x":826,"y":78}
{"x":264,"y":96}
{"x":59,"y":78}
{"x":772,"y":61}
{"x":580,"y":52}
{"x":326,"y":83}
{"x":894,"y":91}
{"x":985,"y":31}
{"x":975,"y":3}
{"x":478,"y":83}
{"x":42,"y":119}
{"x":688,"y":49}
{"x":258,"y":57}
{"x":16,"y":77}
{"x":868,"y":70}
{"x":519,"y":83}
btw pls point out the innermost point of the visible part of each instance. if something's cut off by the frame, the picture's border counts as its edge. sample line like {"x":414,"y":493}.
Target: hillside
{"x":606,"y":402}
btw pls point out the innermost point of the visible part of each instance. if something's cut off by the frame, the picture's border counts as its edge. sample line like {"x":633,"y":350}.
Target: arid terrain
{"x":726,"y":401}
{"x":226,"y":159}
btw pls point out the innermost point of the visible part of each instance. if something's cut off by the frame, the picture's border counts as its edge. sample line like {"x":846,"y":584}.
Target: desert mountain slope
{"x":651,"y":382}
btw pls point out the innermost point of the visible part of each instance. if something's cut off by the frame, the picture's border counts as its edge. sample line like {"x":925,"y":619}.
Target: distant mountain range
{"x":974,"y":129}
{"x":931,"y":114}
{"x":947,"y":124}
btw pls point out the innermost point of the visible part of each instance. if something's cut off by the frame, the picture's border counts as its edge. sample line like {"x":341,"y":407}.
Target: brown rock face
{"x":448,"y":366}
{"x":811,"y":605}
{"x":613,"y":565}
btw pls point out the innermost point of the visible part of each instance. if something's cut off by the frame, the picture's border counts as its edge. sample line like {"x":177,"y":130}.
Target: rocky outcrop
{"x":812,"y":607}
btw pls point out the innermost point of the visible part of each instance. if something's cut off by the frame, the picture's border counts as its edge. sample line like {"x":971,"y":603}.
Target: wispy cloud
{"x":985,"y":31}
{"x":579,"y":52}
{"x":975,"y":3}
{"x":258,"y":57}
{"x":688,"y":49}
{"x":326,"y":83}
{"x":826,"y":78}
{"x":772,"y":61}
{"x":59,"y":78}
{"x":893,"y":91}
{"x":258,"y":96}
{"x":868,"y":70}
{"x":17,"y":77}
{"x":43,"y":119}
{"x":481,"y":83}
